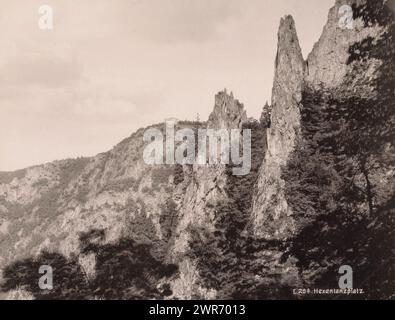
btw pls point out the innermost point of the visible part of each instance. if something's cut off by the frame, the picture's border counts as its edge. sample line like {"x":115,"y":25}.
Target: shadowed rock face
{"x":327,"y":174}
{"x":328,"y":68}
{"x":203,"y":187}
{"x":327,"y":63}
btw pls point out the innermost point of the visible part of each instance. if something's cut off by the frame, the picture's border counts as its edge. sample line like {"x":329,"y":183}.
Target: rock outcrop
{"x":228,"y":112}
{"x":51,"y":207}
{"x":325,"y":174}
{"x":327,"y":63}
{"x":327,"y":68}
{"x":272,"y":217}
{"x":203,"y":187}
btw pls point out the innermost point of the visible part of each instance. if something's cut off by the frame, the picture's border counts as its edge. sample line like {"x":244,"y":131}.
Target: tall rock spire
{"x":334,"y":66}
{"x":287,"y":91}
{"x":205,"y":186}
{"x":271,"y":213}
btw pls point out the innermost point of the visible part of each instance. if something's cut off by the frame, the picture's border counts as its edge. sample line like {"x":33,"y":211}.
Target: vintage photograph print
{"x":197,"y":150}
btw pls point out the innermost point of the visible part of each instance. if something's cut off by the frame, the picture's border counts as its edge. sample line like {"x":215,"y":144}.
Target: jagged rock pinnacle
{"x":270,"y":203}
{"x":287,"y":89}
{"x":288,"y":38}
{"x":327,"y":68}
{"x":228,"y":112}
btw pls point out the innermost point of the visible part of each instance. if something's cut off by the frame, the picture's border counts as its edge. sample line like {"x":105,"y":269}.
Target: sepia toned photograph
{"x":197,"y":150}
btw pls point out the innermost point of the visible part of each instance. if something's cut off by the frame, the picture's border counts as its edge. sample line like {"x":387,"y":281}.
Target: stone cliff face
{"x":327,"y":63}
{"x":327,"y":68}
{"x":330,"y":135}
{"x":49,"y":207}
{"x":228,"y":112}
{"x":203,"y":187}
{"x":273,"y":218}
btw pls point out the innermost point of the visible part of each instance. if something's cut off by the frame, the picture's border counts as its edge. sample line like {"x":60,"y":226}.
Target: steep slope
{"x":80,"y":209}
{"x":334,"y":185}
{"x":329,"y":70}
{"x":203,"y":188}
{"x":347,"y":175}
{"x":51,"y":207}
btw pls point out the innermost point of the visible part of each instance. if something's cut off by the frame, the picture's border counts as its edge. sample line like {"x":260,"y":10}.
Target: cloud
{"x":106,"y":100}
{"x":178,"y":20}
{"x":86,"y":98}
{"x":40,"y":69}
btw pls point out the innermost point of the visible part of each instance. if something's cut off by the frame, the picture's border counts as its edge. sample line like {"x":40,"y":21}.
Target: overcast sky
{"x":110,"y":67}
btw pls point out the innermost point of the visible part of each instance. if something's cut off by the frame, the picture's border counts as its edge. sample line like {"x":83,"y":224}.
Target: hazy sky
{"x":110,"y":67}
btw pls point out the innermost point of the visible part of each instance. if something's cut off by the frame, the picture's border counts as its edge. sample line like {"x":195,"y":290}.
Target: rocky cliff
{"x":269,"y":200}
{"x":327,"y":166}
{"x":327,"y":67}
{"x":51,"y":208}
{"x":202,"y":188}
{"x":62,"y":207}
